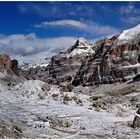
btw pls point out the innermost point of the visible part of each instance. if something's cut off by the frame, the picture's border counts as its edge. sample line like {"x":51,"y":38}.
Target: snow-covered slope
{"x":78,"y":51}
{"x":130,"y":35}
{"x":39,"y":63}
{"x":81,"y":48}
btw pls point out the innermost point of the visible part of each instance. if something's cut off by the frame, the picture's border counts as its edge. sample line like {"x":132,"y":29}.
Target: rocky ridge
{"x":109,"y":60}
{"x":63,"y":66}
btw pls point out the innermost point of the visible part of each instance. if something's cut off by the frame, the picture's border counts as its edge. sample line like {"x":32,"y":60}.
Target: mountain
{"x":64,"y":64}
{"x":32,"y":108}
{"x":108,"y":60}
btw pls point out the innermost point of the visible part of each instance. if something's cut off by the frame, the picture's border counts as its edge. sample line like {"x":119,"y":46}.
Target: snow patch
{"x":81,"y":48}
{"x":40,"y":63}
{"x":78,"y":51}
{"x":131,"y":66}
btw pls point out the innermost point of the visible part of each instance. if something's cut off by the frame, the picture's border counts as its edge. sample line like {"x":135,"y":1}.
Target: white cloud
{"x":131,"y":20}
{"x":129,"y":9}
{"x":64,"y":22}
{"x":42,"y":10}
{"x":130,"y":14}
{"x":92,"y":28}
{"x":29,"y":47}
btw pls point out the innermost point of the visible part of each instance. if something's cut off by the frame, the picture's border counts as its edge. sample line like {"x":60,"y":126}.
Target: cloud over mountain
{"x":27,"y":47}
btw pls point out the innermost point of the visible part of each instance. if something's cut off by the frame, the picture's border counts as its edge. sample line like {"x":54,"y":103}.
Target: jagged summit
{"x":81,"y":42}
{"x":81,"y":47}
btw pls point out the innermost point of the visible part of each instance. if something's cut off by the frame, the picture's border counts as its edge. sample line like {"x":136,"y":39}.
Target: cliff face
{"x":111,"y":63}
{"x":7,"y":65}
{"x":64,"y":66}
{"x":109,"y":60}
{"x":4,"y":62}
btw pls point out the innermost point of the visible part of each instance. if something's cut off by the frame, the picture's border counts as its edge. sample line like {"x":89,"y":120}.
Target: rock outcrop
{"x":8,"y":66}
{"x":9,"y":72}
{"x":4,"y":62}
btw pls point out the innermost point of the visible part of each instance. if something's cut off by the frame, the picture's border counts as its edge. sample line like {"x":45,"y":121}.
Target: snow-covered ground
{"x":38,"y":110}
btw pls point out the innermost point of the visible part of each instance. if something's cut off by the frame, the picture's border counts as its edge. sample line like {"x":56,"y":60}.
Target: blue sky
{"x":34,"y":22}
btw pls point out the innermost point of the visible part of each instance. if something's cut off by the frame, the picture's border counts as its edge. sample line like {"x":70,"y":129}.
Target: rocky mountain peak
{"x":82,"y":44}
{"x":81,"y":40}
{"x":81,"y":47}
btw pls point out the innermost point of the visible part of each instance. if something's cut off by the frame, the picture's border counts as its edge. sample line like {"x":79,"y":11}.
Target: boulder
{"x":66,"y":87}
{"x":46,"y":87}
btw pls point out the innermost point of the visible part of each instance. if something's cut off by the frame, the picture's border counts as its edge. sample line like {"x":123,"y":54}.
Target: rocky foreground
{"x":89,"y":91}
{"x":34,"y":109}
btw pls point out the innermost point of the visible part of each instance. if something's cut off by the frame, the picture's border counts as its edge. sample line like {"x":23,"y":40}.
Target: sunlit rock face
{"x":65,"y":65}
{"x":4,"y":62}
{"x":116,"y":60}
{"x":8,"y":66}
